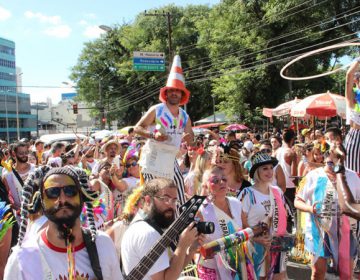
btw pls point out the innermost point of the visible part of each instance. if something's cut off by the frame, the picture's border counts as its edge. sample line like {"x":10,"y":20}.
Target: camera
{"x":205,"y":227}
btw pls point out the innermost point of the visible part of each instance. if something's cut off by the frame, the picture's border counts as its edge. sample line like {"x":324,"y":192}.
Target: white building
{"x":61,"y":118}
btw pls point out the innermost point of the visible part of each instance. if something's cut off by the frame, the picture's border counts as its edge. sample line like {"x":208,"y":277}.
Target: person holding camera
{"x":158,"y":213}
{"x":224,"y":212}
{"x":328,"y":233}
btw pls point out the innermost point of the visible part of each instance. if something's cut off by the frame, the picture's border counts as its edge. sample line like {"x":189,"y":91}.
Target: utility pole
{"x":102,"y":109}
{"x":168,"y":16}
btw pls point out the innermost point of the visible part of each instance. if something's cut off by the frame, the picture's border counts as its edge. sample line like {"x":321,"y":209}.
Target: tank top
{"x":286,"y":168}
{"x":174,"y":126}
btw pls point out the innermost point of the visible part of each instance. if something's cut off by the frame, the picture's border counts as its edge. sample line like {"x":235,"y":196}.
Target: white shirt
{"x":26,"y":262}
{"x":256,"y":212}
{"x":138,"y":239}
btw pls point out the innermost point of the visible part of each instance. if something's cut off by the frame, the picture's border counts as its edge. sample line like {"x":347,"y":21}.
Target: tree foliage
{"x":232,"y":52}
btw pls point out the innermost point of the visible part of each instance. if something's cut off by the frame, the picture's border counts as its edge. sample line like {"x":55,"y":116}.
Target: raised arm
{"x":349,"y":95}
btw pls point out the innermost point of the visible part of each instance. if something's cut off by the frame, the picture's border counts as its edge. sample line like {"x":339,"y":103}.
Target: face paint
{"x":59,"y":180}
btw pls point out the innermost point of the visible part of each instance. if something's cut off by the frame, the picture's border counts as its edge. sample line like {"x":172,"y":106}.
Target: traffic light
{"x":75,"y":108}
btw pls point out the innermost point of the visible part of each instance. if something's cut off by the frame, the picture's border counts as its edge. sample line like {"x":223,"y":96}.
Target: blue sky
{"x":49,"y":35}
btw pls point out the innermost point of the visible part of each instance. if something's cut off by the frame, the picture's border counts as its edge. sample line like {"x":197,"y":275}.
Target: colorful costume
{"x":234,"y":263}
{"x":328,"y":234}
{"x":158,"y":159}
{"x":259,"y":207}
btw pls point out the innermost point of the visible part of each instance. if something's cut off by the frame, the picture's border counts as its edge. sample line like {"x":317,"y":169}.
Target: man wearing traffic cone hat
{"x":166,"y":126}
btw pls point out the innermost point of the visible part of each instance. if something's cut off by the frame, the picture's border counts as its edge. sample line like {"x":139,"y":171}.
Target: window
{"x":7,"y":50}
{"x":7,"y":63}
{"x":7,"y":76}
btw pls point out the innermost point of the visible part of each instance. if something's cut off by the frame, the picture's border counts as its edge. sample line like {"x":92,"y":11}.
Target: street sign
{"x":150,"y":54}
{"x":149,"y":61}
{"x":138,"y":60}
{"x":149,"y":67}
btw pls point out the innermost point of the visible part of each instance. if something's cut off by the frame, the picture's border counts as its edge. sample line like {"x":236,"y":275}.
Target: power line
{"x":233,"y":73}
{"x":152,"y":85}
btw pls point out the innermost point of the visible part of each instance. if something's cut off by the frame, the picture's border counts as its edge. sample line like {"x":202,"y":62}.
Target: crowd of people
{"x":114,"y":208}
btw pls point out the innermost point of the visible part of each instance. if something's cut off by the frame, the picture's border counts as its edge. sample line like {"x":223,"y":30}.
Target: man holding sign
{"x":166,"y":125}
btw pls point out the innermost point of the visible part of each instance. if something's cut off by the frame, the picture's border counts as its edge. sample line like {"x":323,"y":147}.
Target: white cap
{"x":248,"y":145}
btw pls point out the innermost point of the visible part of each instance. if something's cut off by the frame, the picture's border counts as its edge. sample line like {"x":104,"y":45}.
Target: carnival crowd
{"x":95,"y":209}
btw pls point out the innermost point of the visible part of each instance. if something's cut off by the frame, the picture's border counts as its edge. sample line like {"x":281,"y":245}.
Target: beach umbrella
{"x":236,"y":126}
{"x":320,"y":105}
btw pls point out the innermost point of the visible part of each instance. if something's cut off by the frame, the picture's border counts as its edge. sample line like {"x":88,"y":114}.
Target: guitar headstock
{"x":191,"y":207}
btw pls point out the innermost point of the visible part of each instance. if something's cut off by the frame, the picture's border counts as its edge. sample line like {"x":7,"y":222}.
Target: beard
{"x":22,"y":159}
{"x":66,"y":223}
{"x":159,"y":217}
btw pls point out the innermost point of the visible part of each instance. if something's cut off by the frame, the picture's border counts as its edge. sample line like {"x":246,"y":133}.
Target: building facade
{"x":16,"y":121}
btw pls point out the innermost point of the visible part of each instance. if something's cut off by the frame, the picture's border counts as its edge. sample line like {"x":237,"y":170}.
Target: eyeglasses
{"x":217,"y":180}
{"x":266,"y":151}
{"x":133,"y":164}
{"x":167,"y":199}
{"x":69,"y":191}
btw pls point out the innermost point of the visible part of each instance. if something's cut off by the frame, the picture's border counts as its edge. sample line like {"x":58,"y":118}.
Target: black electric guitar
{"x":188,"y":212}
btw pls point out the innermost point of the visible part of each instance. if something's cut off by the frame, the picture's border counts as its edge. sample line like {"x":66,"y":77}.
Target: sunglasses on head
{"x":134,"y":163}
{"x":69,"y":191}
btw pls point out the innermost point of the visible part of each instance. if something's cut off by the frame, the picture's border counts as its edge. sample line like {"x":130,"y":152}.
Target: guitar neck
{"x":156,"y":251}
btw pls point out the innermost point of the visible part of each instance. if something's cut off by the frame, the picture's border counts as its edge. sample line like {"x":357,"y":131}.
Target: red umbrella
{"x":321,"y":105}
{"x":236,"y":126}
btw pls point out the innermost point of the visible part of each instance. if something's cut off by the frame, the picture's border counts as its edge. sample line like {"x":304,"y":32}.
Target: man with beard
{"x":62,"y":249}
{"x":166,"y":125}
{"x":159,"y":198}
{"x":14,"y":178}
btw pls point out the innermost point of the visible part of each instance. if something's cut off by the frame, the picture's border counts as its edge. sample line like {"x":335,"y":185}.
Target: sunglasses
{"x":69,"y":191}
{"x":217,"y":180}
{"x":266,"y":151}
{"x":330,"y":163}
{"x":133,"y":164}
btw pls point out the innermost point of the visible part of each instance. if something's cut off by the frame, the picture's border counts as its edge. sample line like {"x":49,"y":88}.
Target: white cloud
{"x":55,"y":20}
{"x":59,"y":31}
{"x":4,"y":14}
{"x":93,"y":31}
{"x":83,"y":22}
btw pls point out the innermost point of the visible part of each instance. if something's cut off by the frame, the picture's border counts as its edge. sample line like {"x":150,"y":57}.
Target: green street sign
{"x":149,"y":67}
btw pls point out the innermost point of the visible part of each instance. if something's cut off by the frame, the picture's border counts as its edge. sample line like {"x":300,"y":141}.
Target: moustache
{"x":55,"y":209}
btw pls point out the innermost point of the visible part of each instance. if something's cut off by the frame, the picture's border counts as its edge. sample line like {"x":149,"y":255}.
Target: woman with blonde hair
{"x":225,"y":213}
{"x":229,"y":161}
{"x":263,"y":202}
{"x":194,"y":179}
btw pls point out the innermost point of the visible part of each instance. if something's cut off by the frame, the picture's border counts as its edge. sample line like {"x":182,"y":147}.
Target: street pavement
{"x":298,"y":271}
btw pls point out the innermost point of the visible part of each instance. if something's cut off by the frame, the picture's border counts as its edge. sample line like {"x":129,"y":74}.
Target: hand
{"x":313,"y":208}
{"x":188,"y":236}
{"x":264,"y":240}
{"x":197,"y":244}
{"x":160,"y":137}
